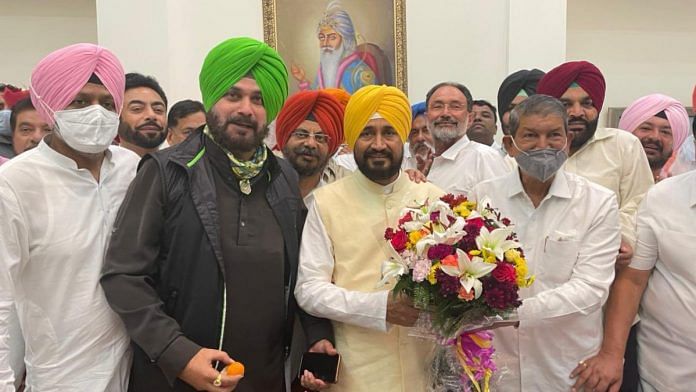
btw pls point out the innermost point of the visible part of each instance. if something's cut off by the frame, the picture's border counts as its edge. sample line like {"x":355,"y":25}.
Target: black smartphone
{"x":323,"y":366}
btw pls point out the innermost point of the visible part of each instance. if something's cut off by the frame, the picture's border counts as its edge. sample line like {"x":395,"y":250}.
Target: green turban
{"x":235,"y":58}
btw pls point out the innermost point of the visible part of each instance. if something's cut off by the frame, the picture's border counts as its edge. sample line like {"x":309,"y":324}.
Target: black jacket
{"x":164,"y":271}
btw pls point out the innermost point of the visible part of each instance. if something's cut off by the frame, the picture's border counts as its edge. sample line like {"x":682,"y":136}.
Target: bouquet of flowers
{"x":460,"y":262}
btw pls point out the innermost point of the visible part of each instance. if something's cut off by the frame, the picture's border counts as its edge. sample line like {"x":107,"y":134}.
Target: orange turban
{"x":340,"y":94}
{"x":326,"y":109}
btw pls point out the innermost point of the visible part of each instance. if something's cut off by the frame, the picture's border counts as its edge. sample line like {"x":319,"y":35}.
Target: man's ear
{"x":509,"y":146}
{"x":569,"y":140}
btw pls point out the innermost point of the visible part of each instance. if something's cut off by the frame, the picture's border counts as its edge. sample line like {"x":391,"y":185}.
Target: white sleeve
{"x":13,"y":249}
{"x":319,"y":296}
{"x":591,"y":277}
{"x":645,"y":255}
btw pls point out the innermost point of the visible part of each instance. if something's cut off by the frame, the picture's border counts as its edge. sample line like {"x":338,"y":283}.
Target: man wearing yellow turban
{"x":204,"y":255}
{"x":343,"y":249}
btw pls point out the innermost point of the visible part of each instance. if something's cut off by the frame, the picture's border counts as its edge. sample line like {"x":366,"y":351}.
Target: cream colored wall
{"x":474,"y":42}
{"x":462,"y":40}
{"x":641,"y":46}
{"x":33,"y":28}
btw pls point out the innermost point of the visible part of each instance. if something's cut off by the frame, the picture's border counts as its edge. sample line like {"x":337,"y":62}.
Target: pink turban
{"x":585,"y":74}
{"x":646,"y":107}
{"x":58,"y":77}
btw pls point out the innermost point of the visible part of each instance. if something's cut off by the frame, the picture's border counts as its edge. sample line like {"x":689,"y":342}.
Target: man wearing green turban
{"x":203,"y":260}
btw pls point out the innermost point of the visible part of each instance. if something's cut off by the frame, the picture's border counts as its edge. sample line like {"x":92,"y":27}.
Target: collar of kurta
{"x":559,"y":187}
{"x":452,"y":152}
{"x":692,"y":196}
{"x":61,"y":160}
{"x":375,"y":188}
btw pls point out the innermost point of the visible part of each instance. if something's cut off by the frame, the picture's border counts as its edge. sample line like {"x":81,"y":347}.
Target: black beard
{"x":303,"y":169}
{"x":127,"y":133}
{"x":218,"y":130}
{"x":379,"y":173}
{"x":582,"y":137}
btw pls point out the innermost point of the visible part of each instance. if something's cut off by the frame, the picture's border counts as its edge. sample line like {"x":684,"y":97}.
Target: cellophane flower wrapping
{"x":460,"y":262}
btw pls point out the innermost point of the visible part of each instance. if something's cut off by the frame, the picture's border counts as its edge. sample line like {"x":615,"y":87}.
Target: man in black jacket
{"x":203,"y":258}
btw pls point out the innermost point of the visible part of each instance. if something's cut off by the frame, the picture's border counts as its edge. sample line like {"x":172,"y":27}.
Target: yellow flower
{"x":431,"y":274}
{"x":474,"y":252}
{"x":511,"y":255}
{"x":415,"y":236}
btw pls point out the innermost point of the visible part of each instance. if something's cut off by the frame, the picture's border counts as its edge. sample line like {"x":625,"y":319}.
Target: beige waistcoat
{"x":356,"y":212}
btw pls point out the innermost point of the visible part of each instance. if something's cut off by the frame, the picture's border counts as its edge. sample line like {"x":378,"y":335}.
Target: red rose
{"x":399,"y":240}
{"x":405,"y":218}
{"x":475,"y":222}
{"x":505,"y":272}
{"x":388,"y":234}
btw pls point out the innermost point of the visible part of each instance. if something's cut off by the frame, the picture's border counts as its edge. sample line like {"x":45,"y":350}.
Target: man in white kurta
{"x":343,"y":248}
{"x":662,"y":280}
{"x":58,"y":203}
{"x":569,"y":231}
{"x":459,"y":163}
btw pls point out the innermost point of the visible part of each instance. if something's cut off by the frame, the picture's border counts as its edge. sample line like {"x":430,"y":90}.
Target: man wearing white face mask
{"x":569,"y":228}
{"x":58,"y":202}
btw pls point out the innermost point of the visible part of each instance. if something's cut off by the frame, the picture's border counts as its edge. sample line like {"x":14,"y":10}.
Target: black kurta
{"x":253,"y":253}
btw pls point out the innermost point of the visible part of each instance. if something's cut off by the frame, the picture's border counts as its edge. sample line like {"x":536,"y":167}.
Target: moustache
{"x":378,"y":154}
{"x":306,"y":151}
{"x":577,"y":120}
{"x":438,"y":123}
{"x":327,"y":49}
{"x":149,"y":124}
{"x":242,"y":121}
{"x":656,"y":144}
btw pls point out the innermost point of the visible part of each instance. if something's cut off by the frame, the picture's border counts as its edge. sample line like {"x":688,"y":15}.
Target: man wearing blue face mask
{"x":58,"y":202}
{"x":569,"y":228}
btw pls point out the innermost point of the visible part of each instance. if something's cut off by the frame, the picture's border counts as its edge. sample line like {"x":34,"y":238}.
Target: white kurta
{"x":464,"y":165}
{"x":570,"y":242}
{"x":616,"y":160}
{"x":667,"y":244}
{"x":57,"y":221}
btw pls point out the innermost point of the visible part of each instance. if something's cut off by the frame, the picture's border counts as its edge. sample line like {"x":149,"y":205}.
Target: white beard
{"x":448,"y":134}
{"x":330,"y":60}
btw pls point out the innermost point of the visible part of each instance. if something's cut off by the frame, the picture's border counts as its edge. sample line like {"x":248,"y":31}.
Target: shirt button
{"x":243,"y":223}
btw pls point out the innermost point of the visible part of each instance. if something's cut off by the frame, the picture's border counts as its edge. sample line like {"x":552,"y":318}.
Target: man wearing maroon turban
{"x":309,"y":131}
{"x":607,"y":156}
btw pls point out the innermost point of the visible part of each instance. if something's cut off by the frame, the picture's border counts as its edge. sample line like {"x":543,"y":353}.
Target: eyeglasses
{"x":453,"y":106}
{"x":320,"y":138}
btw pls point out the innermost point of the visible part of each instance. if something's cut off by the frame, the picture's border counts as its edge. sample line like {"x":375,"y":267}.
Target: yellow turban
{"x":387,"y":101}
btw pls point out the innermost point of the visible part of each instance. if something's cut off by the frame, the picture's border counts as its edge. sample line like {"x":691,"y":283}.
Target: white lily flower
{"x":496,"y":241}
{"x":469,"y":271}
{"x":392,"y":268}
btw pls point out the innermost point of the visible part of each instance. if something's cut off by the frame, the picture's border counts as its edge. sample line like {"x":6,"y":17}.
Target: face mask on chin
{"x":90,"y":130}
{"x":541,"y":164}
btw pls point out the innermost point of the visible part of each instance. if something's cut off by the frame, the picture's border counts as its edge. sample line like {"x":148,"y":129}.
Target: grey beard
{"x":447,"y":134}
{"x":330,"y":62}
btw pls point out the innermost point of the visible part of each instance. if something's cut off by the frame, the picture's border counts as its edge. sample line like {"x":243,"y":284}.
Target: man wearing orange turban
{"x":342,"y":250}
{"x":309,"y":131}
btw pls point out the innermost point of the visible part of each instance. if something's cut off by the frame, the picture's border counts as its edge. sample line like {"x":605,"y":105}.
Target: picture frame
{"x":371,"y":36}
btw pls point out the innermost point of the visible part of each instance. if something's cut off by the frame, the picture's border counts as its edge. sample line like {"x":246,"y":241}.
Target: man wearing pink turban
{"x":662,"y":125}
{"x":58,"y":202}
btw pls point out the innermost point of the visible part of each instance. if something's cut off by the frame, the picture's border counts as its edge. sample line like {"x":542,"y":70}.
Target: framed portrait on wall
{"x":345,"y":44}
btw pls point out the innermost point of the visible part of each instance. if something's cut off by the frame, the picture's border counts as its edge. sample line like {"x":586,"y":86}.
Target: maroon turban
{"x":325,"y":109}
{"x":585,"y":74}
